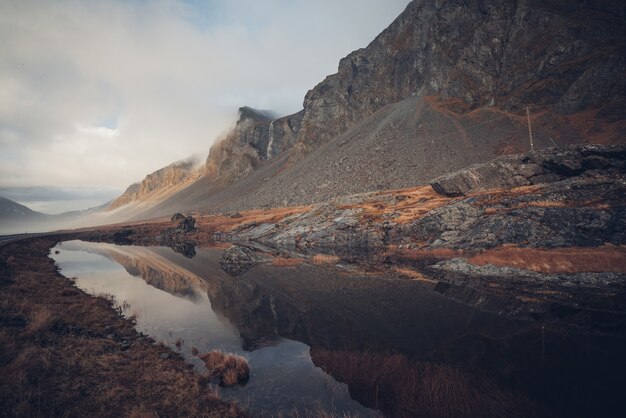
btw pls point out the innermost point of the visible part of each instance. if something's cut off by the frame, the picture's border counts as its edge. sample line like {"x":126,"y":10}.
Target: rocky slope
{"x":554,"y":219}
{"x":443,"y":87}
{"x":175,"y":175}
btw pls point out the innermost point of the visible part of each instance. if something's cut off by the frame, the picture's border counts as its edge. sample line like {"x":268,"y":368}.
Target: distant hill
{"x":13,"y":211}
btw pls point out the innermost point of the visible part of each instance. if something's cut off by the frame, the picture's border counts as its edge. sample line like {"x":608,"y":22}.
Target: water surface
{"x":302,"y":327}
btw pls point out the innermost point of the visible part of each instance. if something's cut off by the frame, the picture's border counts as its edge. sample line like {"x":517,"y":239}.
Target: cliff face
{"x":174,"y":175}
{"x":257,"y":136}
{"x":443,"y":87}
{"x":502,"y":53}
{"x":559,"y":56}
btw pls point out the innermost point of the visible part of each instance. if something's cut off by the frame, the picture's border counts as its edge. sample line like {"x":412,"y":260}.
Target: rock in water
{"x":237,"y":260}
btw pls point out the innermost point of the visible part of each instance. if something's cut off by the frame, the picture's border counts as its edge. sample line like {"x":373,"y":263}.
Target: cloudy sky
{"x":96,"y":94}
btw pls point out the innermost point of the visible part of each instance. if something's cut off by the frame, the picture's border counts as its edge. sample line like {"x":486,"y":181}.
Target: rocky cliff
{"x":568,"y":56}
{"x":446,"y":85}
{"x":257,"y":136}
{"x":174,"y":176}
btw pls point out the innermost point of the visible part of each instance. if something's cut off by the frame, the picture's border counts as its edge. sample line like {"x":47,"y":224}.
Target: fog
{"x":96,"y":94}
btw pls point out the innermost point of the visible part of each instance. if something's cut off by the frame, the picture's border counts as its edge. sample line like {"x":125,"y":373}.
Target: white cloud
{"x":172,"y":73}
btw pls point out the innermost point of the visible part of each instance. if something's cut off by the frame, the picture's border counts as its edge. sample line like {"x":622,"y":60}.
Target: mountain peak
{"x":256,"y":115}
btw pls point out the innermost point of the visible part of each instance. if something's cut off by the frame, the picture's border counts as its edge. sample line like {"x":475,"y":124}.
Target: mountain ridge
{"x":444,"y":93}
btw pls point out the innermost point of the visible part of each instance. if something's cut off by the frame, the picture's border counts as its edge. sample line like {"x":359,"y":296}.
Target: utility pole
{"x":530,"y":130}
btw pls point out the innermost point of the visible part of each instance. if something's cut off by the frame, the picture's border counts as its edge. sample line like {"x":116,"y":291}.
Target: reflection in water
{"x":358,"y":328}
{"x":171,"y":304}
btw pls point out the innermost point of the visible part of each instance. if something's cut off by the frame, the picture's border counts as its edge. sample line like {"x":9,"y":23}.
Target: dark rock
{"x":122,"y":237}
{"x":236,"y":215}
{"x":187,"y":225}
{"x":237,"y":260}
{"x":186,"y":248}
{"x":532,"y":168}
{"x":177,"y":216}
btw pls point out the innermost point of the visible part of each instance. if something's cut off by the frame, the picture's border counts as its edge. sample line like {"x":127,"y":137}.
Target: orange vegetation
{"x":324,"y":259}
{"x":413,"y":275}
{"x":227,"y":223}
{"x":230,"y":369}
{"x":607,"y":258}
{"x":410,"y":204}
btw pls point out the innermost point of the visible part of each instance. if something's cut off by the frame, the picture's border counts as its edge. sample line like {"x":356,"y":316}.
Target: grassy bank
{"x":66,"y":353}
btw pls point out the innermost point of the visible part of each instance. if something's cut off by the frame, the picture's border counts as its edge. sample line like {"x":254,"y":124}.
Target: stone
{"x":177,"y":216}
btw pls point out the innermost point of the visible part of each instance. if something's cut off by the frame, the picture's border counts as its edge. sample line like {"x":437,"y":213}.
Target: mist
{"x":97,"y":94}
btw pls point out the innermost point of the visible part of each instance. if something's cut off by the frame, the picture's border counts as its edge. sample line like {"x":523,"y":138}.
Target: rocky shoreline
{"x":536,"y":232}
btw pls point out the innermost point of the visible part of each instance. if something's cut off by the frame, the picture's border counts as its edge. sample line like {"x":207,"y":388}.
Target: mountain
{"x":160,"y":184}
{"x":446,"y":85}
{"x":13,"y":211}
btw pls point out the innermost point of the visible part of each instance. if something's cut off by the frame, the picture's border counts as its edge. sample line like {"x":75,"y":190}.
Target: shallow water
{"x":299,"y":326}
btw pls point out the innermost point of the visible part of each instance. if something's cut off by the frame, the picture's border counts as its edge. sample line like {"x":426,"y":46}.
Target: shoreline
{"x":67,"y":352}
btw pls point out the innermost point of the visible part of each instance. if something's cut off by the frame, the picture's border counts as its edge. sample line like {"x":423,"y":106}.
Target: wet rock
{"x":237,"y":260}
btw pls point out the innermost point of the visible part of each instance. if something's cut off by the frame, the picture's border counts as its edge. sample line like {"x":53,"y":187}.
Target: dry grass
{"x":286,"y":262}
{"x":607,"y":258}
{"x":229,"y":369}
{"x":408,"y":204}
{"x":413,"y":275}
{"x":66,"y":353}
{"x":39,"y":319}
{"x":258,"y":216}
{"x":404,"y":388}
{"x":325,"y":259}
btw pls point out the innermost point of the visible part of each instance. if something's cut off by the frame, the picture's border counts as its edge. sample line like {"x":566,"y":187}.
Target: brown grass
{"x":409,"y":204}
{"x":229,"y":369}
{"x":404,"y":388}
{"x":606,"y":258}
{"x":39,"y":319}
{"x":325,"y":259}
{"x":286,"y":262}
{"x":66,"y":353}
{"x":413,"y":275}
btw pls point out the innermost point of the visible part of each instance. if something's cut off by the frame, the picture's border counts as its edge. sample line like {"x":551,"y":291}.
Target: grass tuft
{"x":229,"y":369}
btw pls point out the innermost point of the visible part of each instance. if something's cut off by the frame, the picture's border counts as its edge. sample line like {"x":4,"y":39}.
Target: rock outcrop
{"x":546,"y":166}
{"x":574,"y":197}
{"x":257,"y":136}
{"x":175,"y":175}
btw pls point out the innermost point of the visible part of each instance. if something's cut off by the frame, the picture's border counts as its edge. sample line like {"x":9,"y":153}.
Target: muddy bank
{"x":65,"y":353}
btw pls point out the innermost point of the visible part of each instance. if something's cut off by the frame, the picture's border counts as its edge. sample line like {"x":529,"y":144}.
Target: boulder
{"x":178,"y":216}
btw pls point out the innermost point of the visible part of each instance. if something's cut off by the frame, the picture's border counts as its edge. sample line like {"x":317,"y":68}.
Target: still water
{"x":304,"y":326}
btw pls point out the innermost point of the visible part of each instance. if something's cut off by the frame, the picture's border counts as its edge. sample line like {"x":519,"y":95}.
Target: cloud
{"x":99,"y":93}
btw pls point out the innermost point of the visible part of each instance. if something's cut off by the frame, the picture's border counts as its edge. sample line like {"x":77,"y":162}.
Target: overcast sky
{"x":97,"y":94}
